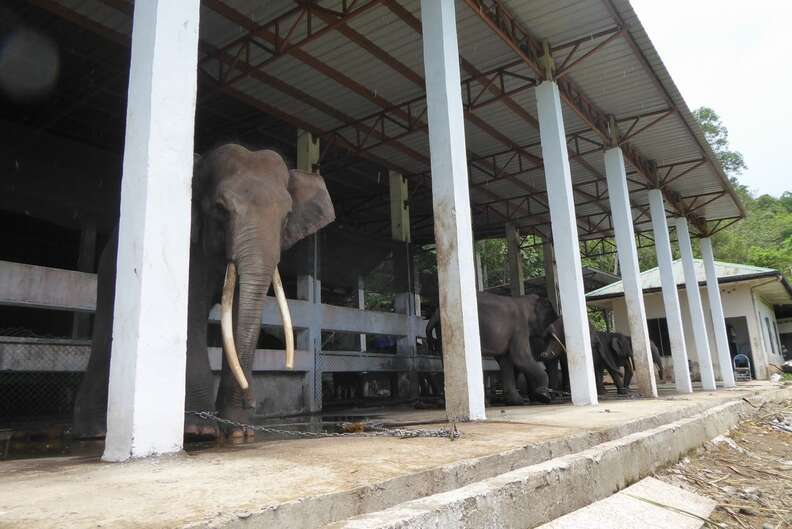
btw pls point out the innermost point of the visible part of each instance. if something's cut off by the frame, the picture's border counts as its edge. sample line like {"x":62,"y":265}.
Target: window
{"x":777,"y":338}
{"x":770,"y":335}
{"x":658,"y":333}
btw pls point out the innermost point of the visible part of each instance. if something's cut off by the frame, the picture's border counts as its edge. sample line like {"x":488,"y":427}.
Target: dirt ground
{"x":748,"y":472}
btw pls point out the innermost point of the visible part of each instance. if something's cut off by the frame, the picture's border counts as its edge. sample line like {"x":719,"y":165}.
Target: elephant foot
{"x":196,"y":428}
{"x":236,"y":434}
{"x":542,"y":396}
{"x":514,"y":400}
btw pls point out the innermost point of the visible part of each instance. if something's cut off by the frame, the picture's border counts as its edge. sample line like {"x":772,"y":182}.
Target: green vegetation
{"x":764,"y":237}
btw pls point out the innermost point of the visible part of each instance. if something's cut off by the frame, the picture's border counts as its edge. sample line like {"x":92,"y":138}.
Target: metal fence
{"x":39,"y":376}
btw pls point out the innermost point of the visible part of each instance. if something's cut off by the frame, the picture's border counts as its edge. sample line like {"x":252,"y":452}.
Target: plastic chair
{"x":742,"y":367}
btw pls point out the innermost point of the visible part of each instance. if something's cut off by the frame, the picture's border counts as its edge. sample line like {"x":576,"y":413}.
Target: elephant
{"x":508,"y":327}
{"x":247,"y":208}
{"x":610,"y":352}
{"x":622,"y":353}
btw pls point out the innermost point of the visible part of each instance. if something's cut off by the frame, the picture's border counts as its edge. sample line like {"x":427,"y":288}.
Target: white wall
{"x":738,"y":301}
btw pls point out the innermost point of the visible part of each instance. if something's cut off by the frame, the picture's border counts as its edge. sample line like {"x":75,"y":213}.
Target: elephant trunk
{"x":254,"y":281}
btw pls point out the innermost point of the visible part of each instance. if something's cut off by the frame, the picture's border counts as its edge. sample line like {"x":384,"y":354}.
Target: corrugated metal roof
{"x":381,"y":68}
{"x":727,"y":273}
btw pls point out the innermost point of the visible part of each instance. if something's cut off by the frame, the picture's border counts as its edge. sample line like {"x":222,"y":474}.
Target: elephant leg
{"x":598,"y":376}
{"x":628,"y":373}
{"x":554,"y":374}
{"x":565,"y":373}
{"x":90,"y":406}
{"x":534,"y":371}
{"x":617,"y":381}
{"x":508,"y":380}
{"x":199,"y":391}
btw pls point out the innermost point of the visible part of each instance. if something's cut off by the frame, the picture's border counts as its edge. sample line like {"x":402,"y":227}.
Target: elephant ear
{"x":312,"y":208}
{"x":616,"y":345}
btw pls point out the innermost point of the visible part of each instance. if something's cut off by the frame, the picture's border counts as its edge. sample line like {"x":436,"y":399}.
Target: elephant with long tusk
{"x":226,"y":323}
{"x":247,"y":208}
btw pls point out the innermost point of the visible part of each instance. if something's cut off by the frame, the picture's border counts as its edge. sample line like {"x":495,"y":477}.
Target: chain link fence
{"x":39,"y":376}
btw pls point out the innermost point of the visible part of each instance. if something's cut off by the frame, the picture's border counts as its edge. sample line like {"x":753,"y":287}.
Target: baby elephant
{"x":610,"y":352}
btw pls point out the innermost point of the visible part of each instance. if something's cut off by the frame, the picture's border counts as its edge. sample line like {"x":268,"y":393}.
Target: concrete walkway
{"x":310,"y":483}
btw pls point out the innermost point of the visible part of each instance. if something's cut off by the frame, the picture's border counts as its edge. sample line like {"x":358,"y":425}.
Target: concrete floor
{"x":311,"y":482}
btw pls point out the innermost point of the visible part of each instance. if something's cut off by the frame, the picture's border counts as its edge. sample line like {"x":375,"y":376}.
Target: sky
{"x":736,"y":58}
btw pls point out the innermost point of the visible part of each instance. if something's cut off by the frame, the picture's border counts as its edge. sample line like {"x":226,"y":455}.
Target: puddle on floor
{"x":36,"y":440}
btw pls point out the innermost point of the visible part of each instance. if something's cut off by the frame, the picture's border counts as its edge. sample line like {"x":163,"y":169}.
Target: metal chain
{"x":368,"y":430}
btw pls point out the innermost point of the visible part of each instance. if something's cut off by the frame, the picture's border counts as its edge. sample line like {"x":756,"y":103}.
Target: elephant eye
{"x":221,"y":208}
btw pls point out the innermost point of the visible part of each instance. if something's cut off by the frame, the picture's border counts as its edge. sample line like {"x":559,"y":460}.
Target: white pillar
{"x":716,"y":309}
{"x":621,"y":214}
{"x":558,"y":178}
{"x":145,"y":411}
{"x":516,"y":276}
{"x":673,"y":312}
{"x":694,"y":304}
{"x":464,"y":382}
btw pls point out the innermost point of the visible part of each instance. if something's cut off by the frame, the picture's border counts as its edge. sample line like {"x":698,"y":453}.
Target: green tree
{"x":764,"y":237}
{"x":718,"y":137}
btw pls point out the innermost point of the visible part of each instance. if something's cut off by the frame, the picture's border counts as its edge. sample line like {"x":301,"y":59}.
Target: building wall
{"x":738,"y":301}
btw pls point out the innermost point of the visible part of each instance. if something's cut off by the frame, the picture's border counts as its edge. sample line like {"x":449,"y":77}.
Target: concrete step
{"x":649,"y":504}
{"x":537,"y":494}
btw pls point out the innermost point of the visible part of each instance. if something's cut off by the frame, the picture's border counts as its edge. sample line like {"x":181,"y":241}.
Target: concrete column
{"x":361,"y":299}
{"x":551,"y":281}
{"x":145,"y":411}
{"x":85,"y":263}
{"x":310,"y":339}
{"x":694,"y":303}
{"x":307,"y":151}
{"x":516,"y":276}
{"x":399,"y":207}
{"x":464,"y":382}
{"x":558,"y":178}
{"x":716,"y":309}
{"x":309,"y":287}
{"x":673,"y":312}
{"x":621,"y":213}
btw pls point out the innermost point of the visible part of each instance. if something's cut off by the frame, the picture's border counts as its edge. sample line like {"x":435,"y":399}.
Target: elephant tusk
{"x":227,"y":326}
{"x":283,"y":306}
{"x":557,"y":339}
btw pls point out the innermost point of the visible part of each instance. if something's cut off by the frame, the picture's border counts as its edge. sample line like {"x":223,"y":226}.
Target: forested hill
{"x":764,"y":237}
